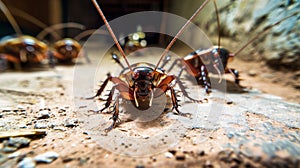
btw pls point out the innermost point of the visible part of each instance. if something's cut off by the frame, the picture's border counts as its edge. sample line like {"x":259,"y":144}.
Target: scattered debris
{"x":27,"y":162}
{"x":70,"y":122}
{"x":14,"y":144}
{"x":180,"y":156}
{"x":252,"y":73}
{"x":169,"y":155}
{"x":47,"y":157}
{"x":23,"y":133}
{"x":43,"y":114}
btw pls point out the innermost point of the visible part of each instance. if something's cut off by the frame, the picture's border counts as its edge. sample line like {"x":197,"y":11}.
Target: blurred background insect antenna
{"x":22,"y":14}
{"x":58,"y":26}
{"x":179,"y":33}
{"x":11,"y":19}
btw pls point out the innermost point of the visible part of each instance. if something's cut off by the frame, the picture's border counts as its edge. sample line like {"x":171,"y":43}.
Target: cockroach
{"x":134,"y":41}
{"x":20,"y":50}
{"x":23,"y":50}
{"x":201,"y":62}
{"x":143,"y":82}
{"x":65,"y":50}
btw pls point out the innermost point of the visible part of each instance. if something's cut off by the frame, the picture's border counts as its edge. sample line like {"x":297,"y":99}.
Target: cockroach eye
{"x":136,"y":75}
{"x":30,"y":48}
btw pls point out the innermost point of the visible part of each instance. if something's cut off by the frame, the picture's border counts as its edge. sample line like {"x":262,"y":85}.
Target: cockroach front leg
{"x":100,"y":90}
{"x":235,"y":74}
{"x":109,"y":99}
{"x":165,"y":61}
{"x":175,"y":103}
{"x":184,"y":92}
{"x":182,"y":88}
{"x":173,"y":64}
{"x":3,"y":63}
{"x":84,"y":54}
{"x":204,"y":79}
{"x":115,"y":116}
{"x":51,"y":58}
{"x":117,"y":59}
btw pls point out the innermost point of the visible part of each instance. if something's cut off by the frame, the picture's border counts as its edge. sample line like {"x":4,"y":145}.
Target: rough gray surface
{"x":249,"y":128}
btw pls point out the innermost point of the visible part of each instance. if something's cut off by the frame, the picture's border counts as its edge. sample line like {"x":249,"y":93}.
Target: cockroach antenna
{"x":219,"y":27}
{"x":112,"y":33}
{"x":179,"y":33}
{"x":219,"y":39}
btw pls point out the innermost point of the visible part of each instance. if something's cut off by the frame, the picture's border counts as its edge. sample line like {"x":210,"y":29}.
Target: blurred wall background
{"x":240,"y":20}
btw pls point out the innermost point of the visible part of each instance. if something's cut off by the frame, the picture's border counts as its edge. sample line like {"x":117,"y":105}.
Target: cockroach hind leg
{"x":188,"y":115}
{"x":3,"y":64}
{"x":89,"y":98}
{"x":116,"y":121}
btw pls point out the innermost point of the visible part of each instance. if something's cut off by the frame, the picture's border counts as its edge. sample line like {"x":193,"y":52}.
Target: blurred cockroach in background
{"x":134,"y":41}
{"x":20,"y":51}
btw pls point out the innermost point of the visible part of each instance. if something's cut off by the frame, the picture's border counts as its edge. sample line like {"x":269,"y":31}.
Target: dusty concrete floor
{"x":237,"y":127}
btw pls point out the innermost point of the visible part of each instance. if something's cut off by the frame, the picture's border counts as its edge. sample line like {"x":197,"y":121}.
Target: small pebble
{"x":230,"y":135}
{"x":139,"y":166}
{"x":173,"y":151}
{"x":43,"y":114}
{"x":40,"y":125}
{"x":69,"y":122}
{"x":267,"y":75}
{"x":169,"y":155}
{"x":61,"y":110}
{"x":27,"y":162}
{"x":14,"y":155}
{"x":47,"y":157}
{"x":67,"y":159}
{"x":9,"y":149}
{"x":229,"y":102}
{"x":252,"y":73}
{"x":208,"y":164}
{"x":201,"y":153}
{"x":59,"y":128}
{"x":18,"y":142}
{"x":180,"y":156}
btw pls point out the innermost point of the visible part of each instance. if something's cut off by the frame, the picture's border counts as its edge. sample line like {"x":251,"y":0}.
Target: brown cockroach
{"x":143,"y":82}
{"x":20,"y":50}
{"x":134,"y":41}
{"x":201,"y":62}
{"x":64,"y":50}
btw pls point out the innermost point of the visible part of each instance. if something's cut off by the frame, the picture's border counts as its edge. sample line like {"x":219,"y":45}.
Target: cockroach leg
{"x":235,"y":74}
{"x":173,"y":64}
{"x":165,"y":61}
{"x":117,"y":59}
{"x":184,"y":92}
{"x":175,"y":103}
{"x":115,"y":116}
{"x":205,"y":79}
{"x":109,"y":99}
{"x":109,"y":77}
